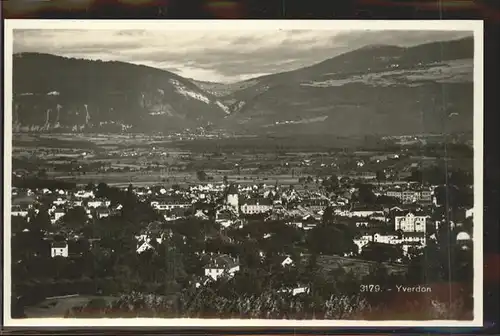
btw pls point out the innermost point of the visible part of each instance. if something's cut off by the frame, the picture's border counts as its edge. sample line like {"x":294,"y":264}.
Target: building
{"x":296,"y":290}
{"x":410,"y":223}
{"x":200,"y":214}
{"x":222,"y":265}
{"x":57,"y":215}
{"x":98,"y":204}
{"x":425,"y":196}
{"x":254,"y":206}
{"x":102,"y":212}
{"x":84,"y":194}
{"x":144,"y":243}
{"x":225,"y":218}
{"x":60,"y":201}
{"x":59,"y":249}
{"x":17,"y":210}
{"x":469,"y":213}
{"x":409,"y":196}
{"x":464,"y":240}
{"x":315,"y":205}
{"x":287,"y":261}
{"x":170,"y":204}
{"x":406,"y":241}
{"x":232,"y":197}
{"x":365,"y":211}
{"x":394,"y":193}
{"x":174,"y":214}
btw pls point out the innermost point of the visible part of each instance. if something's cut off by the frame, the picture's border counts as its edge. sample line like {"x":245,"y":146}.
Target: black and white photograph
{"x":243,"y":173}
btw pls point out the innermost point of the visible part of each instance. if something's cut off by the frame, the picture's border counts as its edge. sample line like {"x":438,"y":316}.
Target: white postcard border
{"x":409,"y":25}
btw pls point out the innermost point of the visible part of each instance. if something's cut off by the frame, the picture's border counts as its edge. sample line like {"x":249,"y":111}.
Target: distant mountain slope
{"x":56,"y":93}
{"x":372,"y":90}
{"x":384,"y":90}
{"x":223,"y":89}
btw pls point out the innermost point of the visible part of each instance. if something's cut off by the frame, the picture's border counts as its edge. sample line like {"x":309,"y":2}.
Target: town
{"x":299,"y":242}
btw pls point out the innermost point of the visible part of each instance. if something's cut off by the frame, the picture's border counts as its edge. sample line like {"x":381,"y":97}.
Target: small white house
{"x":296,"y":290}
{"x":18,"y":211}
{"x":57,"y":215}
{"x":144,"y":247}
{"x":84,"y":194}
{"x":60,"y":201}
{"x":144,"y":242}
{"x":59,"y":249}
{"x":98,"y":204}
{"x":288,"y":261}
{"x":103,"y":212}
{"x":201,"y":215}
{"x":469,"y":213}
{"x":222,"y":265}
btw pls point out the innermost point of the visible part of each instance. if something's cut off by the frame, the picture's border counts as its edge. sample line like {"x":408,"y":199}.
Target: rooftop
{"x":59,"y":244}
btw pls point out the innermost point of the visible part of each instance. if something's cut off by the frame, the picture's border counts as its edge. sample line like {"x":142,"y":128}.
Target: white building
{"x":287,"y":261}
{"x":295,"y":291}
{"x":16,"y":210}
{"x":406,"y":241}
{"x":469,"y":213}
{"x":170,"y":205}
{"x":225,"y":218}
{"x":255,"y":206}
{"x":59,"y":249}
{"x":144,"y":243}
{"x":98,"y":204}
{"x":60,"y":201}
{"x":222,"y":265}
{"x":84,"y":194}
{"x":232,"y":198}
{"x":410,"y":223}
{"x":57,"y":215}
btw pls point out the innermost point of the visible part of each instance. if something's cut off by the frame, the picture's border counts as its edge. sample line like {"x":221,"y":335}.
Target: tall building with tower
{"x":232,"y":197}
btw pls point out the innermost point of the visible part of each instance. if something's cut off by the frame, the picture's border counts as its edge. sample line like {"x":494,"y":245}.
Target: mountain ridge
{"x":111,"y":94}
{"x":374,"y":84}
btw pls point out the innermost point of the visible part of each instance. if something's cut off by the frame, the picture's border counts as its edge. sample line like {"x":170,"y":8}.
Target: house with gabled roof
{"x":225,"y":217}
{"x":17,"y":210}
{"x":59,"y":249}
{"x":221,"y":266}
{"x":102,"y":212}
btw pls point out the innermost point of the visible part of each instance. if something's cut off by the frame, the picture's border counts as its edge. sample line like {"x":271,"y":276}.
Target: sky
{"x":216,"y":56}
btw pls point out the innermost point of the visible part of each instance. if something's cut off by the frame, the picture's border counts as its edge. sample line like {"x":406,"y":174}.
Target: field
{"x":145,"y":160}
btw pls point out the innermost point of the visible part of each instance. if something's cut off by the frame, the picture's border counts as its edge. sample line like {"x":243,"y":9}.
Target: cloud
{"x":215,"y":55}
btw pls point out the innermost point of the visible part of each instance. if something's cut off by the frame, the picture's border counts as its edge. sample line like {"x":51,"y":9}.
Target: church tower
{"x":232,"y":198}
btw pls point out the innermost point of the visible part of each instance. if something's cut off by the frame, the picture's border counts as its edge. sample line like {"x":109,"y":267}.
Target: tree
{"x":328,"y":215}
{"x":41,"y":222}
{"x":380,"y":176}
{"x":201,"y":175}
{"x":365,"y":194}
{"x":331,"y":184}
{"x":387,"y":200}
{"x":225,"y":179}
{"x":42,"y":173}
{"x":102,"y":190}
{"x":90,"y":186}
{"x":331,"y":240}
{"x":461,"y":178}
{"x":382,"y":252}
{"x":75,"y":218}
